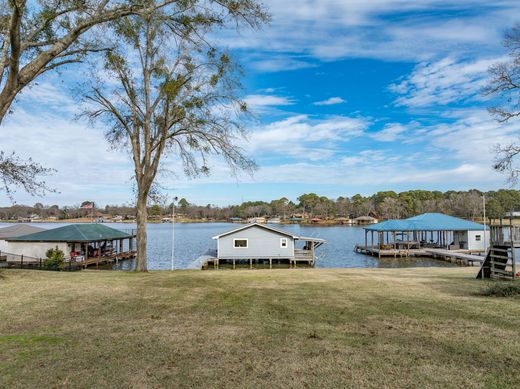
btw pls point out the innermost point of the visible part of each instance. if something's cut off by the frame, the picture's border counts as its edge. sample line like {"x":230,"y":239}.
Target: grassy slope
{"x":331,"y":328}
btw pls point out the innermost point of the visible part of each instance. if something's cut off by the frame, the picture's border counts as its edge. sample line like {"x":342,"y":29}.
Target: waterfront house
{"x":261,"y":242}
{"x":15,"y":231}
{"x":365,"y":220}
{"x":258,"y":219}
{"x":81,"y":241}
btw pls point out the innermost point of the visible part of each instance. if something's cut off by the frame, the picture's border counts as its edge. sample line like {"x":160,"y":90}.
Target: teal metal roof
{"x":427,"y":222}
{"x":74,"y":233}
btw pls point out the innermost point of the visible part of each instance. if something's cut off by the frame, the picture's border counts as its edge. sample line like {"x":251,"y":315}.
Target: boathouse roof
{"x":427,"y":222}
{"x":74,"y":233}
{"x":18,"y":230}
{"x":269,"y":228}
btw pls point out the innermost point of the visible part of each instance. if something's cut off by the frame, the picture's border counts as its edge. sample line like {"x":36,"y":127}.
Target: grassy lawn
{"x":380,"y":328}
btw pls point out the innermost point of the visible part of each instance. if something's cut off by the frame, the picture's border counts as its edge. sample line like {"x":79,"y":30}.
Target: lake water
{"x":194,"y":239}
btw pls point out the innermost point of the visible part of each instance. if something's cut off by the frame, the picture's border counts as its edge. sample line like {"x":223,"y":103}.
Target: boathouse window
{"x":240,"y":243}
{"x":283,"y":242}
{"x":477,"y":237}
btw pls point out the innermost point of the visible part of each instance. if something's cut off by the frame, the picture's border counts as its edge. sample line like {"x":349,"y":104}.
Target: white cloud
{"x":331,"y":101}
{"x":383,"y":29}
{"x":443,"y":82}
{"x":278,"y":63}
{"x":259,"y":101}
{"x":301,"y":136}
{"x":86,"y":167}
{"x":390,"y":133}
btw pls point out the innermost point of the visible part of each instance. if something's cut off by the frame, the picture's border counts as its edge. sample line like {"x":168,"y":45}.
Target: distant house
{"x":258,"y":241}
{"x":365,"y":220}
{"x":344,"y":220}
{"x":259,"y":219}
{"x":15,"y":231}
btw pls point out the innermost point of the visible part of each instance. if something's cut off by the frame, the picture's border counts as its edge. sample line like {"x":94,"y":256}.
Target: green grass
{"x":359,"y":328}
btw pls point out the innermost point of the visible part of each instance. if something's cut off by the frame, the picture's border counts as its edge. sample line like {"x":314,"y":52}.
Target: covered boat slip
{"x":430,"y":234}
{"x":256,"y":244}
{"x":82,"y":244}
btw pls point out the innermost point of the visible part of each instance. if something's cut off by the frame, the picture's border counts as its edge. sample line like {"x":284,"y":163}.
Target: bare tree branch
{"x":170,"y":97}
{"x":504,"y":88}
{"x":16,"y":173}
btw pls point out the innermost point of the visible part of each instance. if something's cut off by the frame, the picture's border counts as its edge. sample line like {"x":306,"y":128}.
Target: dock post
{"x":250,"y":263}
{"x":394,"y":245}
{"x":234,"y":266}
{"x":270,"y":263}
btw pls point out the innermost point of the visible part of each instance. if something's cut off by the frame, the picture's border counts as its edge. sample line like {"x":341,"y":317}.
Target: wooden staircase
{"x":499,"y":263}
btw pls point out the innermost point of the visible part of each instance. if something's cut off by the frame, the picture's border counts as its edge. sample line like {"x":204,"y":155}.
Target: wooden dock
{"x":205,"y":262}
{"x":401,"y":253}
{"x":462,"y":257}
{"x":21,"y":261}
{"x":459,"y":257}
{"x":106,"y":259}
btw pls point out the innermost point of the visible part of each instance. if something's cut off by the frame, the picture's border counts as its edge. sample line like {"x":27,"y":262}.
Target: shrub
{"x":55,"y":259}
{"x":502,"y":290}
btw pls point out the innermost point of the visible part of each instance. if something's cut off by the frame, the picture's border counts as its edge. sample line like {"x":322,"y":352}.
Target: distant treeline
{"x":385,"y":205}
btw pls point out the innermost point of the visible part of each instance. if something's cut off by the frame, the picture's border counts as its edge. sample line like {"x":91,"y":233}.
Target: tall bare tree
{"x":170,"y":96}
{"x":504,"y":86}
{"x":39,"y":36}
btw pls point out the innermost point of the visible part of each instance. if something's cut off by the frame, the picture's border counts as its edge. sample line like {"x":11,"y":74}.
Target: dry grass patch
{"x":393,"y":328}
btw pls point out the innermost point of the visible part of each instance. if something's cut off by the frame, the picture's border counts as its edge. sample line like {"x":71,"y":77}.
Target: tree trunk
{"x":142,"y":218}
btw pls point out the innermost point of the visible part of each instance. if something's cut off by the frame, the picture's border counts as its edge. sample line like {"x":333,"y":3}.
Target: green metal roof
{"x":74,"y":233}
{"x":427,"y":222}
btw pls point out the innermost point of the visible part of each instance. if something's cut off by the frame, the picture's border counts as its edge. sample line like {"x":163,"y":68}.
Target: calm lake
{"x":194,"y":239}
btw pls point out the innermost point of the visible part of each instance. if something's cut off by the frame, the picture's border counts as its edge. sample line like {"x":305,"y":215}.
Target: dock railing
{"x":505,"y":235}
{"x":303,"y":254}
{"x":22,"y":261}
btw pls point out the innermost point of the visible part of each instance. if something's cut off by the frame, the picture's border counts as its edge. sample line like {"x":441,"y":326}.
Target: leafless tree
{"x":40,"y":36}
{"x":169,"y":96}
{"x":504,"y":87}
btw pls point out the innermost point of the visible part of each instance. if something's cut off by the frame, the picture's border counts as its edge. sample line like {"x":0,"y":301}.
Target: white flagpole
{"x":485,"y":228}
{"x":173,"y":233}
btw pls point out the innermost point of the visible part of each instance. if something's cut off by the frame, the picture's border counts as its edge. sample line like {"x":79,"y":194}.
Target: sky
{"x":349,"y":97}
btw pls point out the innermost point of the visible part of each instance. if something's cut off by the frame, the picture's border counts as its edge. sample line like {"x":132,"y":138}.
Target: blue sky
{"x":350,"y":97}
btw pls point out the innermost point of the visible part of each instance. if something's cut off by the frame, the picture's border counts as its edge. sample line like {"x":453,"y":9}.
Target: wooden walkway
{"x":375,"y":251}
{"x":455,"y":256}
{"x":114,"y":258}
{"x":460,"y":257}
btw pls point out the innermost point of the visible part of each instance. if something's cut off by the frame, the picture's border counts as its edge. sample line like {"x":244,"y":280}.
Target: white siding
{"x":35,"y":249}
{"x":468,"y":240}
{"x":262,"y":243}
{"x":474,"y":244}
{"x":3,"y":245}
